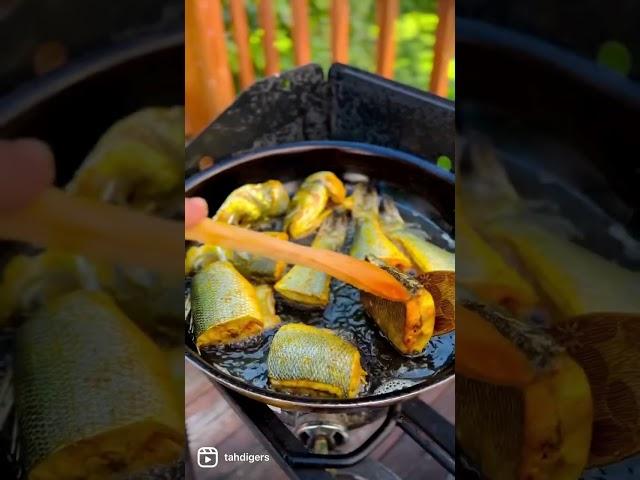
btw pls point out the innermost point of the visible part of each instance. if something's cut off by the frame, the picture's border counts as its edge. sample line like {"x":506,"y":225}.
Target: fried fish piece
{"x":310,"y":287}
{"x":139,"y":161}
{"x":408,"y":325}
{"x":94,"y":395}
{"x":224,"y":306}
{"x":315,"y":361}
{"x":526,"y":409}
{"x":370,"y":238}
{"x":575,"y":279}
{"x":483,"y":271}
{"x":311,"y":203}
{"x":437,"y":264}
{"x":253,"y":202}
{"x":424,"y":254}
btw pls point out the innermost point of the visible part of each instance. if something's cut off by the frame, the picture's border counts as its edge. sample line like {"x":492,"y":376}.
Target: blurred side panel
{"x":91,"y":356}
{"x":548,"y":229}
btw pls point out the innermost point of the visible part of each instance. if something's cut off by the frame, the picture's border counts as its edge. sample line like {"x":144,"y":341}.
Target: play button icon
{"x":207,"y":457}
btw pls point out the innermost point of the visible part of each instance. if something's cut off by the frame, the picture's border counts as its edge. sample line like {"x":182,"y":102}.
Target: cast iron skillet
{"x":565,"y":128}
{"x":421,"y":183}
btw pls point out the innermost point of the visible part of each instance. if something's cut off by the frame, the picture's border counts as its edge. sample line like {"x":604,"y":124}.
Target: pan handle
{"x":430,"y":430}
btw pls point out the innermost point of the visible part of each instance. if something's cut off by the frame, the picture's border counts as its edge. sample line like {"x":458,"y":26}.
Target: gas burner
{"x":305,"y":444}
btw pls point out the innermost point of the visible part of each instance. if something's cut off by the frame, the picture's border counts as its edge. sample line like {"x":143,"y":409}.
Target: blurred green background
{"x":415,"y":37}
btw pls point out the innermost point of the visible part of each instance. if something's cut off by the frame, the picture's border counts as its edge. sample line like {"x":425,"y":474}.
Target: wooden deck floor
{"x":212,"y":423}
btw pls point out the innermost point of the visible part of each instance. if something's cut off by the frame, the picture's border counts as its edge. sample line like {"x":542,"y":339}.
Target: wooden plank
{"x":387,"y":13}
{"x":241,"y":37}
{"x":267,"y":19}
{"x":198,"y":103}
{"x":301,"y":39}
{"x":207,"y":48}
{"x":444,"y":48}
{"x":340,"y":31}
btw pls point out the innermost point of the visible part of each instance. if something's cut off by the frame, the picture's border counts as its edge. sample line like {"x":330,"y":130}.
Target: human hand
{"x":195,"y":210}
{"x":26,"y":169}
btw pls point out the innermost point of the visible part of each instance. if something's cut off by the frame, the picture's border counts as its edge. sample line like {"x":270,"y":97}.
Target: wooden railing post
{"x":301,"y":39}
{"x":207,"y":63}
{"x":267,"y":20}
{"x":241,"y":37}
{"x":444,"y":48}
{"x":386,"y":13}
{"x":340,"y":31}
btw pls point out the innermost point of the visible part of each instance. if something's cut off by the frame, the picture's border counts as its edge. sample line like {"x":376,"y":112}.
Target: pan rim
{"x":288,"y":401}
{"x":19,"y":101}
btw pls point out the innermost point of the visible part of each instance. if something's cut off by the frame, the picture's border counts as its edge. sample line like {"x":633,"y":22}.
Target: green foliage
{"x":415,"y":37}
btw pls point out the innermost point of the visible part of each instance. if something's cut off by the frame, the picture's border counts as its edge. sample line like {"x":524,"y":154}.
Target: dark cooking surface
{"x":385,"y":368}
{"x":416,"y":194}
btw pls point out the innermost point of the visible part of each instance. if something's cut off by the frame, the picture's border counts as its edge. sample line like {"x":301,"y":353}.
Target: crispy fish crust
{"x":526,"y":406}
{"x":408,"y":325}
{"x":424,"y":254}
{"x":253,"y":202}
{"x":94,"y":394}
{"x":311,"y":203}
{"x":224,"y":306}
{"x":310,"y":287}
{"x":370,"y":238}
{"x":316,"y":361}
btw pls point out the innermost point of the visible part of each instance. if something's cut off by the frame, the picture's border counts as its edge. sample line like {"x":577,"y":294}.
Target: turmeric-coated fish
{"x":311,"y":203}
{"x":436,"y":264}
{"x":307,"y":286}
{"x":314,"y":361}
{"x":267,"y":305}
{"x":370,"y":238}
{"x":575,"y":279}
{"x":253,"y":202}
{"x":408,"y":325}
{"x":486,"y":273}
{"x":94,"y":395}
{"x":224,"y":306}
{"x":424,"y":254}
{"x":139,"y":161}
{"x":259,"y":269}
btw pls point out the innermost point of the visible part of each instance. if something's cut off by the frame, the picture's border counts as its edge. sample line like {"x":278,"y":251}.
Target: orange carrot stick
{"x":358,"y":273}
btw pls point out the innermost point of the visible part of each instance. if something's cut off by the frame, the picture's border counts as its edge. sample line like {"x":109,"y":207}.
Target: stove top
{"x":401,"y":442}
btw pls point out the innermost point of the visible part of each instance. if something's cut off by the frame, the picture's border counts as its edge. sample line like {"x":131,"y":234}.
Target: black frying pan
{"x":423,"y":192}
{"x":565,"y":129}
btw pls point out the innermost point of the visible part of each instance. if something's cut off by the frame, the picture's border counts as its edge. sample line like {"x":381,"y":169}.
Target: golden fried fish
{"x":315,"y":361}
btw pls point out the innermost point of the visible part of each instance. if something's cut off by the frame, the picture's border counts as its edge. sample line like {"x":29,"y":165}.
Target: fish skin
{"x":310,"y":205}
{"x":222,"y":298}
{"x":89,"y":384}
{"x":370,"y":238}
{"x":485,"y":272}
{"x":259,"y":269}
{"x":576,"y":280}
{"x":424,"y":254}
{"x":199,"y":256}
{"x":301,"y":352}
{"x":407,"y":325}
{"x":139,"y":161}
{"x":253,"y":202}
{"x":307,"y":286}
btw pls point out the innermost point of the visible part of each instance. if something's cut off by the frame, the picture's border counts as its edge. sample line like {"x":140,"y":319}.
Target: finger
{"x":26,"y":169}
{"x":195,"y":209}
